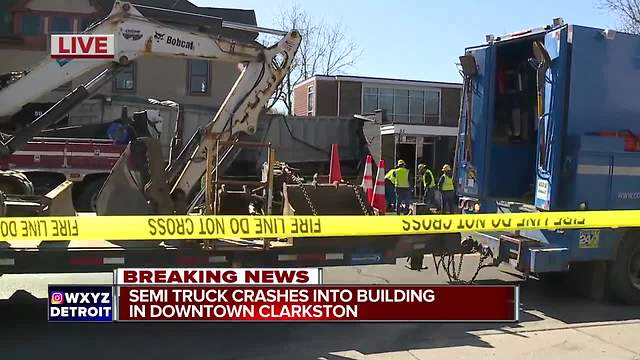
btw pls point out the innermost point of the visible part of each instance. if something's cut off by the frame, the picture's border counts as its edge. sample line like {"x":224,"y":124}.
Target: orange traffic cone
{"x":367,"y":179}
{"x":378,"y":202}
{"x":334,"y":168}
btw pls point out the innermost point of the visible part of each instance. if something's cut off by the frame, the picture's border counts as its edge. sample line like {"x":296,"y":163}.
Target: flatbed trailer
{"x":30,"y":257}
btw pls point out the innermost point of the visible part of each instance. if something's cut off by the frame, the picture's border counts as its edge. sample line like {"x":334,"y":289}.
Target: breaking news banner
{"x":272,"y":295}
{"x":213,"y":276}
{"x":321,"y":303}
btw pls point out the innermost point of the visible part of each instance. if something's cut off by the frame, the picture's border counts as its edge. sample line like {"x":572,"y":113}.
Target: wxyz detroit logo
{"x":629,"y":196}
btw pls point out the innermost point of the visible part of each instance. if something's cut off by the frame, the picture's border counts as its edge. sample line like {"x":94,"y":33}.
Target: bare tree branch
{"x":324,"y":50}
{"x":628,"y":11}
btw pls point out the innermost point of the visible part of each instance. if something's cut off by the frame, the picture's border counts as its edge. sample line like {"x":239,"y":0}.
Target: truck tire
{"x":15,"y":183}
{"x":86,"y":199}
{"x":624,"y":272}
{"x":45,"y":182}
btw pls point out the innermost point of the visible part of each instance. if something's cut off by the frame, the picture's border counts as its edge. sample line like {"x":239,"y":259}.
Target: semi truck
{"x":549,"y":121}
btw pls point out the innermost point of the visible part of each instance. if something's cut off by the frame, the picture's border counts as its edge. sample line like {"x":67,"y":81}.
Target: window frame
{"x":190,"y":77}
{"x":391,"y":115}
{"x":421,"y":114}
{"x":46,"y":22}
{"x":311,"y":94}
{"x":365,"y":95}
{"x":70,"y":23}
{"x":396,"y":104}
{"x":439,"y":92}
{"x":134,"y":75}
{"x":41,"y":24}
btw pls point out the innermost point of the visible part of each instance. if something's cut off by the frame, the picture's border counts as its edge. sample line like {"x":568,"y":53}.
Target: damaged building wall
{"x":305,"y":143}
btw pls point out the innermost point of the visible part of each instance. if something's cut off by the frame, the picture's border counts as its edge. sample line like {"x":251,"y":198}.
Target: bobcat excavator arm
{"x":138,"y":183}
{"x":136,"y":36}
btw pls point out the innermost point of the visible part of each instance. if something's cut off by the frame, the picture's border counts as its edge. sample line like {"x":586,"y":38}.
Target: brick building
{"x":420,"y":119}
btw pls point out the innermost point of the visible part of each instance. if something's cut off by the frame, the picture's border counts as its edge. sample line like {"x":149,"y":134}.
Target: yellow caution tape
{"x":248,"y":227}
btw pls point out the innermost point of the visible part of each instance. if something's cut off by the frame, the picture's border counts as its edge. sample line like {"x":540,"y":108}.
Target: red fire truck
{"x":47,"y":161}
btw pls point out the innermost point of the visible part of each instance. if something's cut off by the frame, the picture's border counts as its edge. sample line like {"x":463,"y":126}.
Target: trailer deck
{"x":97,"y":256}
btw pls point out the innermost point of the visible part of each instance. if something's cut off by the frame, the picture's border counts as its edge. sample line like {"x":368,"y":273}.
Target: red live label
{"x":82,"y":46}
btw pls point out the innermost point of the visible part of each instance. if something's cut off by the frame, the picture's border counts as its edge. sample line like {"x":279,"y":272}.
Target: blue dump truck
{"x":550,"y":121}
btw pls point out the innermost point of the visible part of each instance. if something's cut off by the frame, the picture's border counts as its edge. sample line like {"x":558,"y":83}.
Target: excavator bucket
{"x":61,"y":200}
{"x":123,"y":193}
{"x":325,"y":199}
{"x":58,"y":202}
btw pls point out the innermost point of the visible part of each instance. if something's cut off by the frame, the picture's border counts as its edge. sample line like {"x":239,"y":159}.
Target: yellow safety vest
{"x":447,"y":184}
{"x":391,"y":174}
{"x":399,"y":177}
{"x":428,"y":176}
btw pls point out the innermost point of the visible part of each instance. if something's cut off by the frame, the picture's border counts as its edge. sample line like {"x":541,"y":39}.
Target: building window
{"x":370,"y":100}
{"x":125,"y":80}
{"x":416,"y":107}
{"x":31,"y":25}
{"x":310,"y":99}
{"x":198,"y":77}
{"x":61,"y":25}
{"x":84,"y":24}
{"x":403,"y":105}
{"x":432,"y":107}
{"x":385,"y":100}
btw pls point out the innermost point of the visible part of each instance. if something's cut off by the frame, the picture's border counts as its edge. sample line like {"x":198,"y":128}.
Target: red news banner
{"x":318,"y":303}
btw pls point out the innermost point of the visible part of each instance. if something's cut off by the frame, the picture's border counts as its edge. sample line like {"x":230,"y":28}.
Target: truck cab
{"x":550,"y":121}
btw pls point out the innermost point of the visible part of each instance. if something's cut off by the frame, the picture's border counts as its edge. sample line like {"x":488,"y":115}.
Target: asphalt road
{"x":556,"y":324}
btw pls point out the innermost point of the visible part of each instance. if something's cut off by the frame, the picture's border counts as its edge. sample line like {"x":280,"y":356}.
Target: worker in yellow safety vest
{"x":399,"y":179}
{"x":427,"y":182}
{"x":445,"y":185}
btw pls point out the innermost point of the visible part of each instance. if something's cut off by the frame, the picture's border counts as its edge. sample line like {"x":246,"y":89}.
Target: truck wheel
{"x":45,"y":182}
{"x":15,"y":183}
{"x":624,"y":272}
{"x":86,"y":200}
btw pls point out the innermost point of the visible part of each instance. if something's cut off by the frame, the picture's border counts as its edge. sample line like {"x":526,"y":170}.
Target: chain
{"x":460,"y":265}
{"x":450,"y":268}
{"x":306,"y":196}
{"x":304,"y":191}
{"x":362,"y":204}
{"x":300,"y":183}
{"x":481,"y":265}
{"x":440,"y":262}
